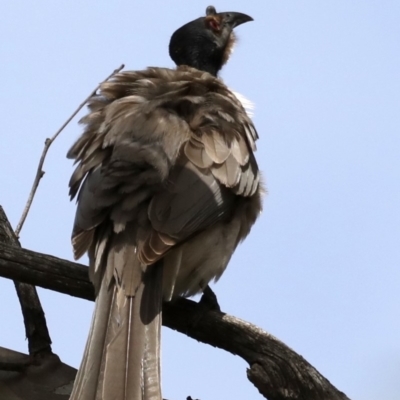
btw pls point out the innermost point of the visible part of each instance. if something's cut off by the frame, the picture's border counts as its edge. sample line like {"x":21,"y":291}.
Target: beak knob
{"x":232,"y":18}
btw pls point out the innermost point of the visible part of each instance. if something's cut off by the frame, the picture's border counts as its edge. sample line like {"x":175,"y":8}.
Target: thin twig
{"x":48,"y":142}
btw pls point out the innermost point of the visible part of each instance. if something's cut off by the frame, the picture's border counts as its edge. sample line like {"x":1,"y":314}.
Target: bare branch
{"x":276,"y":370}
{"x":39,"y":342}
{"x":45,"y":271}
{"x":48,"y":142}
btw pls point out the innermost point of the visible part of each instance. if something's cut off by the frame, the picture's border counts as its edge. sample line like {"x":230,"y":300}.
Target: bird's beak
{"x":233,"y":19}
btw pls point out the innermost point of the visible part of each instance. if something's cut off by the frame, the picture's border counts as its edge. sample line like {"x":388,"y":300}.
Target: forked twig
{"x":48,"y":142}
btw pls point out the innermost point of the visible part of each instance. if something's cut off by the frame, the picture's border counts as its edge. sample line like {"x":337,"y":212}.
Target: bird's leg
{"x":209,"y":299}
{"x":208,"y":302}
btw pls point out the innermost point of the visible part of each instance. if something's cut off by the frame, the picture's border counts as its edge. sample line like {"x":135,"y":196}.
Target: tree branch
{"x":275,"y":369}
{"x":39,"y":342}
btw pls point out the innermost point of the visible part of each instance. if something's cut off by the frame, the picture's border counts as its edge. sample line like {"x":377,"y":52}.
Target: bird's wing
{"x":215,"y":167}
{"x":167,"y":150}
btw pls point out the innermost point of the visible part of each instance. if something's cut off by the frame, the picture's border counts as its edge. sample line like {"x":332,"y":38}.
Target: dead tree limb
{"x":39,"y":342}
{"x":276,"y":370}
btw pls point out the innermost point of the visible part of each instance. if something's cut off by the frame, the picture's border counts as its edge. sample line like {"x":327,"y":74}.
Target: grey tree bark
{"x":37,"y":334}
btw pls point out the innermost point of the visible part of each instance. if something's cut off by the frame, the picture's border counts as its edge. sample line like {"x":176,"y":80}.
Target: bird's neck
{"x":205,"y":66}
{"x":207,"y":61}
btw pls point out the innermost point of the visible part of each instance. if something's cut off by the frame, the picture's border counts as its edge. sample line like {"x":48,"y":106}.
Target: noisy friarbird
{"x":167,"y":186}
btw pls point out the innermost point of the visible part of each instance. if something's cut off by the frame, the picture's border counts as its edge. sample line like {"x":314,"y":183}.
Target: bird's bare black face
{"x":206,"y":42}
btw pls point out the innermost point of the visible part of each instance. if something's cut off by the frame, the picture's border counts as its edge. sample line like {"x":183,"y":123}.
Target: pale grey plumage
{"x":167,"y":187}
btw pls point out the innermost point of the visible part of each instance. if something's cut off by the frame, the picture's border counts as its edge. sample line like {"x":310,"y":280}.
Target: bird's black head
{"x":206,"y":42}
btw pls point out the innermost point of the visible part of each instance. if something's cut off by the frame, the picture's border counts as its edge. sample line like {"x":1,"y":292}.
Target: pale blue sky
{"x":321,"y":270}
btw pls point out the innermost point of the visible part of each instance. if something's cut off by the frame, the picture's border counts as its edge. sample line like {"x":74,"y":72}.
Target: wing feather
{"x":169,"y":149}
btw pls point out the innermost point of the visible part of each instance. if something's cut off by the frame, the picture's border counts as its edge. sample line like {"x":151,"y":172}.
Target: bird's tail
{"x":122,"y":355}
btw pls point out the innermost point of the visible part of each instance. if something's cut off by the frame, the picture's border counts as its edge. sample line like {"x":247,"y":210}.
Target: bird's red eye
{"x":213,"y":24}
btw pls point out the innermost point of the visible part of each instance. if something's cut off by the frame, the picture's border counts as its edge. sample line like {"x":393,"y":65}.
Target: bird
{"x":167,"y":186}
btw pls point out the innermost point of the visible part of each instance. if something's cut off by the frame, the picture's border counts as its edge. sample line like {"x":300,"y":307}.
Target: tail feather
{"x":87,"y":378}
{"x":144,"y":345}
{"x":122,"y":356}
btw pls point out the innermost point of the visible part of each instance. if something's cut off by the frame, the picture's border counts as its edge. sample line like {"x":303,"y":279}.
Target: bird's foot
{"x":209,"y":300}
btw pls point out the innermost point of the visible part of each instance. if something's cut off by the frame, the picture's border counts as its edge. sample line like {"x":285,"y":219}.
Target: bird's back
{"x":165,"y":155}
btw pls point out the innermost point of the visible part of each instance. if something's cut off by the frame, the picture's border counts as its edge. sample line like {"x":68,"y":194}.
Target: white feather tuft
{"x":247,"y":104}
